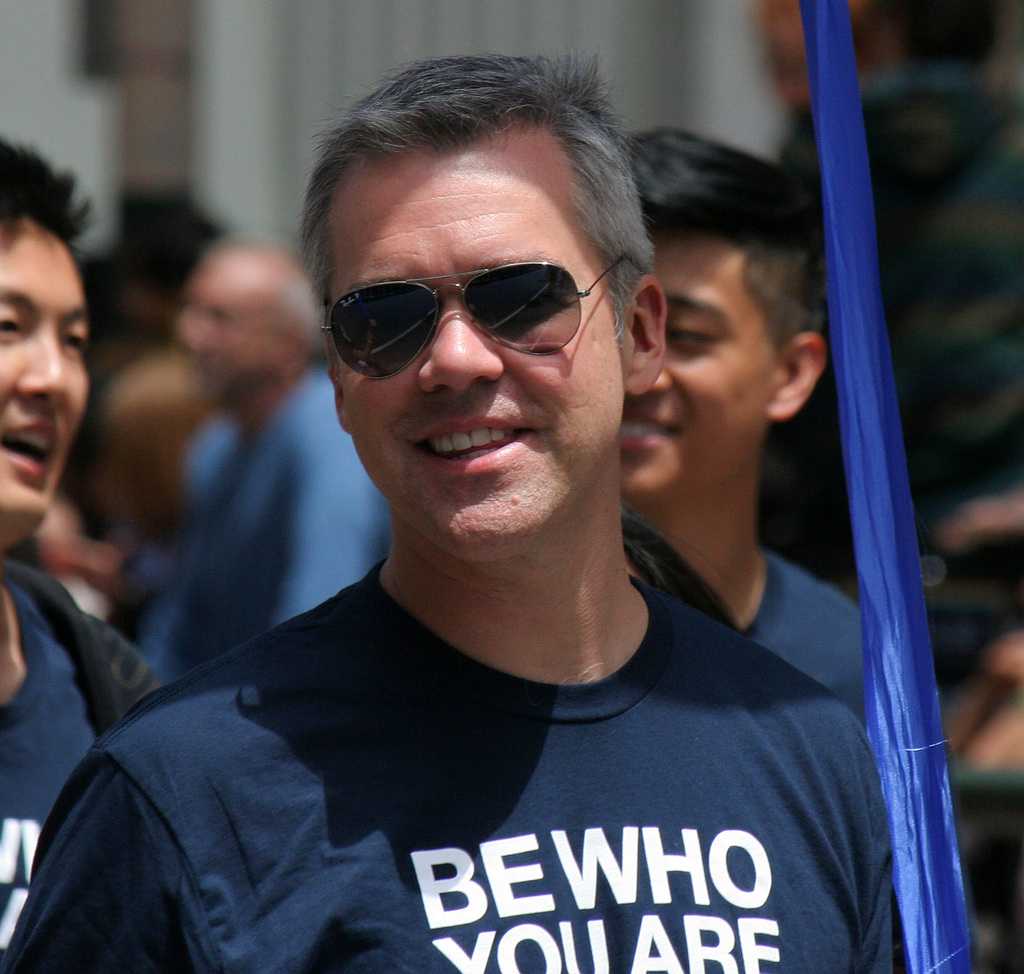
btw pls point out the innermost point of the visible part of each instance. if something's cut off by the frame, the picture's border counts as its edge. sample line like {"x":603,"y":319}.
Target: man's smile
{"x":466,"y":445}
{"x":31,"y":446}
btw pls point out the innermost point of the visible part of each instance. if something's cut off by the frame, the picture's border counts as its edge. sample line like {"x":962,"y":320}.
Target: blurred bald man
{"x":280,"y":513}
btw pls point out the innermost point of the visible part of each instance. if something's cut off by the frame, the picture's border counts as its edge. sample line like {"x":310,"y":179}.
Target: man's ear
{"x":334,"y":370}
{"x":798,"y":367}
{"x":643,"y":340}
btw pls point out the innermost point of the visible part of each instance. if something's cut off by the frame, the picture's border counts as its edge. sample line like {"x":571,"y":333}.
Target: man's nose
{"x":45,"y":363}
{"x":195,"y":327}
{"x":460,"y":353}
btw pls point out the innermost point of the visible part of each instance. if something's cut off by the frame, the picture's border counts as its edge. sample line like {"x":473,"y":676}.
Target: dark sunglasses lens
{"x":532,"y":307}
{"x":379,"y":330}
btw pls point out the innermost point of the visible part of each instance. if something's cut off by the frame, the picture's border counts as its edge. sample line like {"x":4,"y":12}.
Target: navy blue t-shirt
{"x":44,"y":733}
{"x":347,"y":793}
{"x":814,"y":626}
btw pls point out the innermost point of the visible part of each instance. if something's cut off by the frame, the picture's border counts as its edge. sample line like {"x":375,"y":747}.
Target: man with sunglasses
{"x":496,"y":753}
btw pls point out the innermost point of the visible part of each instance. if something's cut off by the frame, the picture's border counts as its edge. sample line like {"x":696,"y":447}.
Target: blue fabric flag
{"x":899,"y":676}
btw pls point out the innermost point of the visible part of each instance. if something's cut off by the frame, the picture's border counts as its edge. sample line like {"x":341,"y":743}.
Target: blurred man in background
{"x":280,"y":512}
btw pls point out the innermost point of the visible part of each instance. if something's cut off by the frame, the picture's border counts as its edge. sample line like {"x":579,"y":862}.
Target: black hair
{"x":30,"y":189}
{"x":692,"y":185}
{"x":654,"y":561}
{"x":163,"y":240}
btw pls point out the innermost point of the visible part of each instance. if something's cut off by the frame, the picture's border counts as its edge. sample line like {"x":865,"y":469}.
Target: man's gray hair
{"x":453,"y":103}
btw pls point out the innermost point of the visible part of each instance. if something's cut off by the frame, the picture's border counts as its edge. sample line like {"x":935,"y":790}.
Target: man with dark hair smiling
{"x":497,"y":752}
{"x":64,"y":676}
{"x":737,"y":247}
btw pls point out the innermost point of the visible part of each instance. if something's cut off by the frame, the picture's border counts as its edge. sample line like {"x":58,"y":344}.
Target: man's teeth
{"x":638,"y":429}
{"x":456,"y":442}
{"x":34,"y":443}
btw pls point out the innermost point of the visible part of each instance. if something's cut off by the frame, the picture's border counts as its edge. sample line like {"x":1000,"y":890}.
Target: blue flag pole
{"x":899,"y":677}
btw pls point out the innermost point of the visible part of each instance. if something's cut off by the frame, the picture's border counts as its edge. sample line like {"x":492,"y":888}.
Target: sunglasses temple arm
{"x":585,"y":293}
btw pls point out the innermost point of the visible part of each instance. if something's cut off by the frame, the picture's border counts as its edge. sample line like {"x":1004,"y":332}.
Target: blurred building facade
{"x":219,"y":101}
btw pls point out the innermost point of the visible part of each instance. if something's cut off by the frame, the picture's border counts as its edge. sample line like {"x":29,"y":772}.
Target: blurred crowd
{"x":946,"y":147}
{"x":210,"y":478}
{"x":947,"y":153}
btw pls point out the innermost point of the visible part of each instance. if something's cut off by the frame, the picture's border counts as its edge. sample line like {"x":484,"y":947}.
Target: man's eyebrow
{"x":17,"y":298}
{"x":683,"y":302}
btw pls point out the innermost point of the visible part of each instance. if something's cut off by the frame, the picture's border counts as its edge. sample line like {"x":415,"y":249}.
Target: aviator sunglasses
{"x":531,"y":307}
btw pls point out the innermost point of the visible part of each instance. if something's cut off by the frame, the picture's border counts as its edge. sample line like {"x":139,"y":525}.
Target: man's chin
{"x":19,"y":522}
{"x":643,"y":488}
{"x":639,"y":480}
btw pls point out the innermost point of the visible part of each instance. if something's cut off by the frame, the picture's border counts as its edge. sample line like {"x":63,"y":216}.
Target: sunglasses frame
{"x":471,"y":276}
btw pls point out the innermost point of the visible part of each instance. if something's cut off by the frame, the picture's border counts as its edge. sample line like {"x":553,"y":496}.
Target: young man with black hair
{"x":737,"y":248}
{"x":64,"y":675}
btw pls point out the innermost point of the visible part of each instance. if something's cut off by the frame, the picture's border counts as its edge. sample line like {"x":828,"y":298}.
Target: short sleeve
{"x":879,"y":945}
{"x":110,"y":889}
{"x":879,"y":942}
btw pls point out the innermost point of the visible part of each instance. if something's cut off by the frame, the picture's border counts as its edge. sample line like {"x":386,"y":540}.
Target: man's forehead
{"x":236,"y":275}
{"x":515,"y":150}
{"x":692,"y":253}
{"x":11,"y":230}
{"x":32,"y":259}
{"x":15,"y":232}
{"x":381,"y":198}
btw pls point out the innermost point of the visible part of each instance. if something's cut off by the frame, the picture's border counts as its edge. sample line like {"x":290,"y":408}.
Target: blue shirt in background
{"x":275,"y":525}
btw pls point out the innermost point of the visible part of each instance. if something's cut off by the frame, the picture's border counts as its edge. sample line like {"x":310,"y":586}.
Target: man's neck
{"x":257,"y":410}
{"x":12,"y":661}
{"x":718,"y":538}
{"x":557,"y":616}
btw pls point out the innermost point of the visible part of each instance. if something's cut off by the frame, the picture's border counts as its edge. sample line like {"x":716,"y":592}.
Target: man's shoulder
{"x":209,"y":445}
{"x":813,"y":625}
{"x":324,"y":650}
{"x":308,"y":430}
{"x":799,"y":606}
{"x":801,"y":603}
{"x":310,"y":410}
{"x":111,"y":673}
{"x":797,"y":581}
{"x":731,"y":664}
{"x":743,"y":699}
